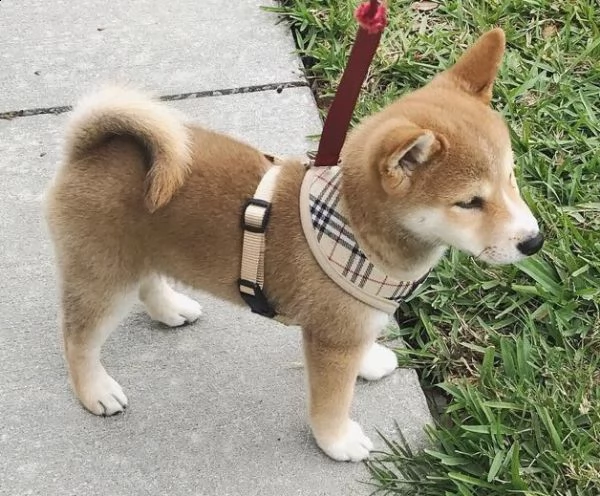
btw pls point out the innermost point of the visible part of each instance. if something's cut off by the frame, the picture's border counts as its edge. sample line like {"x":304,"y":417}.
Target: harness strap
{"x":372,"y":19}
{"x":254,"y":223}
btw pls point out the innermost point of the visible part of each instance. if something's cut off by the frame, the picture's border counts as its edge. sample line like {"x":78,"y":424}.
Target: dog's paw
{"x":353,"y":445}
{"x":173,"y":309}
{"x":102,"y":395}
{"x":378,"y":362}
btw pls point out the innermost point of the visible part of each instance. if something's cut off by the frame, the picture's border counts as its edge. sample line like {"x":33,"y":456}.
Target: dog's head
{"x":443,"y":161}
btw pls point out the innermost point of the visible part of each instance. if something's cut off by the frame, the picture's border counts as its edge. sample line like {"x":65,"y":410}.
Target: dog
{"x":144,"y":197}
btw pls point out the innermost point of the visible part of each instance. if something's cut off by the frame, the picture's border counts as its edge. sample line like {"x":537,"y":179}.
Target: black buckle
{"x":257,"y":203}
{"x":258,"y":301}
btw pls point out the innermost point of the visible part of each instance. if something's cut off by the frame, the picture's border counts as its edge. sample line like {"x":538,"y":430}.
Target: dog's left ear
{"x":477,"y":69}
{"x":400,"y":150}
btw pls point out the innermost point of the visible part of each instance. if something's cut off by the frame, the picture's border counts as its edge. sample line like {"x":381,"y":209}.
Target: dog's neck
{"x":395,"y":249}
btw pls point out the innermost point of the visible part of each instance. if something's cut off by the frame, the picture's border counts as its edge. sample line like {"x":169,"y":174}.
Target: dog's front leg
{"x":332,"y":368}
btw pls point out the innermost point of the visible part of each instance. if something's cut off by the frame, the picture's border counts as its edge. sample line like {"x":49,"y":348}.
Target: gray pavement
{"x":216,"y":408}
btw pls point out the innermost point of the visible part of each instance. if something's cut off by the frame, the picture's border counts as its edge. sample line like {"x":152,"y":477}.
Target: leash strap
{"x":254,"y":223}
{"x":372,"y":18}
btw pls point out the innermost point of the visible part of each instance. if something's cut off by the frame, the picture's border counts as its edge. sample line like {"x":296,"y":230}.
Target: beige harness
{"x":254,"y":222}
{"x":334,"y":245}
{"x":372,"y":19}
{"x":329,"y":237}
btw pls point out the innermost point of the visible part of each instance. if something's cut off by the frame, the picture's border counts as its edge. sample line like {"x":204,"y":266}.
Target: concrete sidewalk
{"x":216,"y":408}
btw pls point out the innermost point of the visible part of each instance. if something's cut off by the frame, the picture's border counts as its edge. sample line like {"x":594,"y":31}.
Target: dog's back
{"x":139,"y":187}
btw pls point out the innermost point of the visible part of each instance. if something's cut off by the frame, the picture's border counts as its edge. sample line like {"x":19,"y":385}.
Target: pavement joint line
{"x":240,"y":90}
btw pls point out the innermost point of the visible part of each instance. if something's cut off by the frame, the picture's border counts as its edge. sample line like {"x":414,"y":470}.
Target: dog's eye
{"x":475,"y":202}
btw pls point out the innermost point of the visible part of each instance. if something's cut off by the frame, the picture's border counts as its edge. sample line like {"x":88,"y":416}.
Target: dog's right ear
{"x":400,"y":150}
{"x":477,"y":68}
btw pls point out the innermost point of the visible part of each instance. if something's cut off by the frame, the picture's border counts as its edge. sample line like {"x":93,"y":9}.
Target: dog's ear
{"x":477,"y":69}
{"x":400,"y":150}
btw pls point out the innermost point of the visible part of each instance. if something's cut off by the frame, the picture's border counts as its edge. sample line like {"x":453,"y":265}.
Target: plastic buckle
{"x":257,"y":302}
{"x":254,"y":202}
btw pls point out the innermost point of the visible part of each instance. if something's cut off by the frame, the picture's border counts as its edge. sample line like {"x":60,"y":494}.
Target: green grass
{"x":515,"y":350}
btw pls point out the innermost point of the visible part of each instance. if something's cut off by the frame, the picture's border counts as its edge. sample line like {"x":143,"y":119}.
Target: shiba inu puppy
{"x":143,"y":196}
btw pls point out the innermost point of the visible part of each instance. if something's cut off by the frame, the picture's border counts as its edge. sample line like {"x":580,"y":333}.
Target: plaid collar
{"x":335,"y":248}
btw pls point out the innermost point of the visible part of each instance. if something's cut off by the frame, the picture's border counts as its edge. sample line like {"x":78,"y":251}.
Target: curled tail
{"x":119,"y":111}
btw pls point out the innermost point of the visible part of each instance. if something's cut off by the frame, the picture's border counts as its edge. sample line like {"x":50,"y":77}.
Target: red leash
{"x":372,"y":19}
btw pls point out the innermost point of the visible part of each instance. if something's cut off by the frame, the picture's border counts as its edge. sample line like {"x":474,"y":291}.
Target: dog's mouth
{"x":486,"y":255}
{"x":495,"y":256}
{"x":480,"y":255}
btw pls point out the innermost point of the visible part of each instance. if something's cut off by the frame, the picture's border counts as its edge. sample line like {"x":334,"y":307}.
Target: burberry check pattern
{"x":337,"y":242}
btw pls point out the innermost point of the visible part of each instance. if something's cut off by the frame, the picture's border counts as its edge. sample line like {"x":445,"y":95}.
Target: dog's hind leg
{"x":91,"y":309}
{"x":165,"y":304}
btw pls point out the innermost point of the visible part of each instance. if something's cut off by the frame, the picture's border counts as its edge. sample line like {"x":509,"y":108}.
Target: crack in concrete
{"x":278,"y":87}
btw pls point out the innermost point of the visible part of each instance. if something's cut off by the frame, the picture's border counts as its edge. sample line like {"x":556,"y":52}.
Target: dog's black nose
{"x":531,"y":245}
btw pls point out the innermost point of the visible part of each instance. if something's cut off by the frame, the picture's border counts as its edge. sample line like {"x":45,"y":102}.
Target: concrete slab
{"x":50,"y":51}
{"x":216,"y":408}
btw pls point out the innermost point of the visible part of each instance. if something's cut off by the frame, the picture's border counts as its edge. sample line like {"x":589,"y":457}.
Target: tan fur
{"x":476,"y":71}
{"x":113,"y":111}
{"x":122,"y":219}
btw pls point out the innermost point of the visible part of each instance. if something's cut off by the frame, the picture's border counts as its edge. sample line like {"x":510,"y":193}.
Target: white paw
{"x":102,"y":395}
{"x":172,"y":308}
{"x":378,"y":362}
{"x":353,"y":445}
